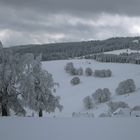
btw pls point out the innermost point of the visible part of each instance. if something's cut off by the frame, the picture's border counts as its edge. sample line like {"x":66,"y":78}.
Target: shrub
{"x":75,"y":81}
{"x":108,"y":73}
{"x":136,"y":108}
{"x":69,"y":67}
{"x":101,"y":95}
{"x":103,"y":73}
{"x":127,"y":86}
{"x":88,"y":71}
{"x":75,"y":71}
{"x":113,"y":106}
{"x":88,"y":102}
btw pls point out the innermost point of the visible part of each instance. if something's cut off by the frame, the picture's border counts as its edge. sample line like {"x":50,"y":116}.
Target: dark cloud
{"x":74,"y":6}
{"x":43,"y":21}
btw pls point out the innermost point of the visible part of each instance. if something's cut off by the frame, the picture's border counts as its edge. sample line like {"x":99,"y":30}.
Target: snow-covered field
{"x":69,"y":129}
{"x":123,"y":51}
{"x":72,"y":96}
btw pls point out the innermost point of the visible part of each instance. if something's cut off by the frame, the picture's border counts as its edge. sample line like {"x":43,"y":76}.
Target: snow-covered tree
{"x":10,"y":71}
{"x":75,"y":81}
{"x":126,"y":86}
{"x":88,"y":71}
{"x":74,"y":71}
{"x":23,"y":80}
{"x":88,"y":102}
{"x":36,"y":87}
{"x":97,"y":96}
{"x":101,"y":95}
{"x":113,"y":106}
{"x":107,"y":94}
{"x":108,"y":73}
{"x":69,"y":67}
{"x":136,"y":108}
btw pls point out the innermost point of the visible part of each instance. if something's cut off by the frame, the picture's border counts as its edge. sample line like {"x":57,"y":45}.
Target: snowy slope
{"x":72,"y":96}
{"x":122,"y":51}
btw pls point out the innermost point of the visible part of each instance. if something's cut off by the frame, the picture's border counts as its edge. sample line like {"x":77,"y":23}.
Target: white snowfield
{"x":69,"y":129}
{"x":72,"y":96}
{"x":117,"y":52}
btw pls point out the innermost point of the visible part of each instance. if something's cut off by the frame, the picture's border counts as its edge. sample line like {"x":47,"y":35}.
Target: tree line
{"x":57,"y":51}
{"x":121,"y":58}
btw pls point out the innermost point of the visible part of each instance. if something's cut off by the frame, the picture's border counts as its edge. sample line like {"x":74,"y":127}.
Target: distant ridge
{"x":66,"y":50}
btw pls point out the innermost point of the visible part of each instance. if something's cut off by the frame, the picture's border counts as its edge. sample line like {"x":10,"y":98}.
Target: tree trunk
{"x":40,"y":113}
{"x":4,"y":110}
{"x":0,"y":105}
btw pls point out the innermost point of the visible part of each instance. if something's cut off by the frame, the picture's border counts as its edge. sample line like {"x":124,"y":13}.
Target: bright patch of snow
{"x":117,"y":52}
{"x":135,"y":41}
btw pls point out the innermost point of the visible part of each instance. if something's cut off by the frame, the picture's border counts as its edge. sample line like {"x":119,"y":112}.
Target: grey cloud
{"x":45,"y":21}
{"x":77,"y":6}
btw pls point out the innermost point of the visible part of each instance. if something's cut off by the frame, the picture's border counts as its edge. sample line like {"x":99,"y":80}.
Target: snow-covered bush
{"x":88,"y":71}
{"x":135,"y":111}
{"x":122,"y":112}
{"x":127,"y":86}
{"x":101,"y":95}
{"x":75,"y":81}
{"x":136,"y":108}
{"x":88,"y":102}
{"x":69,"y":67}
{"x":74,"y":71}
{"x":108,"y":73}
{"x":97,"y":96}
{"x":103,"y":73}
{"x":113,"y":106}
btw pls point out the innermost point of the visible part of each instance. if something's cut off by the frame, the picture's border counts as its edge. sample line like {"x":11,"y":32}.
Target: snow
{"x":85,"y":127}
{"x":72,"y":96}
{"x":69,"y":129}
{"x":117,"y":52}
{"x":122,"y":112}
{"x":135,"y":41}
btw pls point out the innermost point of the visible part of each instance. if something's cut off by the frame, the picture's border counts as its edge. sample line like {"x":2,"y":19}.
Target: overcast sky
{"x":47,"y":21}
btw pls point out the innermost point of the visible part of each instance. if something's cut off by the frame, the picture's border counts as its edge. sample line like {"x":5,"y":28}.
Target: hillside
{"x":72,"y":96}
